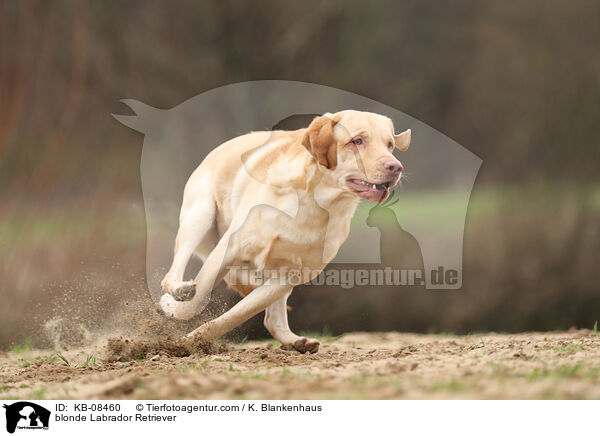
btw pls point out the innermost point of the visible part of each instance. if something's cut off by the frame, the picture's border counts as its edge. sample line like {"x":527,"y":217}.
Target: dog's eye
{"x":357,"y":141}
{"x":390,"y":146}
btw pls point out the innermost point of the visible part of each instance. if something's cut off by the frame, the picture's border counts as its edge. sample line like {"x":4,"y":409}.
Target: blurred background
{"x":518,"y":84}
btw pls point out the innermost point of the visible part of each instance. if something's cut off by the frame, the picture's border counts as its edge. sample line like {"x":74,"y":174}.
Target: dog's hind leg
{"x":257,"y":301}
{"x":195,"y":223}
{"x":276,"y":322}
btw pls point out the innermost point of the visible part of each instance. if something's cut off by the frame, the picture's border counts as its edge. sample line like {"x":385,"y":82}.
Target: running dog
{"x":272,"y":201}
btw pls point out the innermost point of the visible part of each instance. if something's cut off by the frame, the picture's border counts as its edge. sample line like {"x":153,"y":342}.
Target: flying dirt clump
{"x":143,"y":331}
{"x":65,"y":333}
{"x":122,"y":330}
{"x":127,"y":349}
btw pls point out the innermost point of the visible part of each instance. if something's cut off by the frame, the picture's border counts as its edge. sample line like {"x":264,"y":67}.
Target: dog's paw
{"x":185,"y":291}
{"x":182,"y":310}
{"x":303,"y":345}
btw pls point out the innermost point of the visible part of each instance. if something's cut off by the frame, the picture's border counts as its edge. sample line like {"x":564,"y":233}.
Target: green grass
{"x":67,"y":389}
{"x":58,"y":226}
{"x":26,"y":228}
{"x":184,"y":369}
{"x":27,"y":362}
{"x":90,"y":361}
{"x":254,"y":376}
{"x":450,"y":386}
{"x":63,"y":358}
{"x":364,"y":378}
{"x":561,"y":372}
{"x":427,"y":206}
{"x":326,"y":336}
{"x":563,"y":349}
{"x":39,"y":394}
{"x":566,"y":349}
{"x":22,"y":348}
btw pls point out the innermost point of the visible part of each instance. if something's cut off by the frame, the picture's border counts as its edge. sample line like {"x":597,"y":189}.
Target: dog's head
{"x":357,"y":148}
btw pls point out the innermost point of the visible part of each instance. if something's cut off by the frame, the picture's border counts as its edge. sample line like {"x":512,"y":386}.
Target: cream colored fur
{"x":272,"y":200}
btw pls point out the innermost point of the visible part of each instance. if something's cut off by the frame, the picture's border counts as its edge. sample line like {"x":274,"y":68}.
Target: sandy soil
{"x":355,"y":365}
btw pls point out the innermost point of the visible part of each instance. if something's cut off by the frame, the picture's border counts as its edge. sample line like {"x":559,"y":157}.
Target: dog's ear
{"x":320,"y":141}
{"x":402,"y":140}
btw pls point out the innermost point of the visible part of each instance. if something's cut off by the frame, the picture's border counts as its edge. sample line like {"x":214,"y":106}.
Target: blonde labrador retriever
{"x":273,"y":201}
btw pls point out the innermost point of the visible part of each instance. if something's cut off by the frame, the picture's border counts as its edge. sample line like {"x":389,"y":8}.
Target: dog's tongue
{"x":368,"y":191}
{"x":373,"y":195}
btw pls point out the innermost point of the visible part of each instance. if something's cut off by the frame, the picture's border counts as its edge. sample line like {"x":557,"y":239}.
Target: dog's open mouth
{"x":370,"y":191}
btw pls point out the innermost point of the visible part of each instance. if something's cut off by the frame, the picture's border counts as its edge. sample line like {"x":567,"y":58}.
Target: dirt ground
{"x":351,"y":366}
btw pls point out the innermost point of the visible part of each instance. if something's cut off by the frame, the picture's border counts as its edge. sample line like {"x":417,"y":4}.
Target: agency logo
{"x":419,"y":228}
{"x":24,"y":415}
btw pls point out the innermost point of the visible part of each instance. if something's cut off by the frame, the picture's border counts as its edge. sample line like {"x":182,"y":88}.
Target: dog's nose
{"x":393,"y":166}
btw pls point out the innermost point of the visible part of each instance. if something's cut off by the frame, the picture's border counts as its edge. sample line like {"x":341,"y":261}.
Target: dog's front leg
{"x":255,"y":302}
{"x":212,"y":272}
{"x":276,"y":322}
